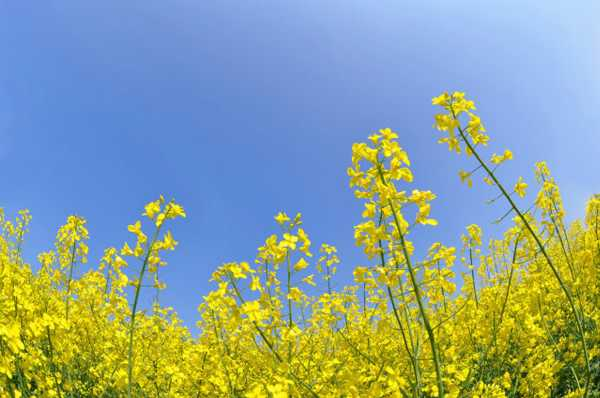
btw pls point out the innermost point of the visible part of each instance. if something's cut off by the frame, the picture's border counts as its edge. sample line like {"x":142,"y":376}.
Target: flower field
{"x":512,"y":317}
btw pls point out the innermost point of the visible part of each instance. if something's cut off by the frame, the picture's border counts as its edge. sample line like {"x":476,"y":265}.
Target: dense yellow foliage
{"x":521,"y":322}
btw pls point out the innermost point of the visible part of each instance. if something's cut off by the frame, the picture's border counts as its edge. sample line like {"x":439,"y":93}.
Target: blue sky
{"x":241,"y":109}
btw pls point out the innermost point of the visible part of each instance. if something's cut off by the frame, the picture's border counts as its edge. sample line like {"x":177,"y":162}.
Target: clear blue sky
{"x":239,"y":109}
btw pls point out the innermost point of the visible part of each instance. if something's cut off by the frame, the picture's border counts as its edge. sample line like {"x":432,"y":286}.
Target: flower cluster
{"x":515,"y":316}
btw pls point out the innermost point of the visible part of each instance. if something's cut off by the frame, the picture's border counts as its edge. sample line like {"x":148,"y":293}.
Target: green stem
{"x":289,"y":303}
{"x":289,"y":285}
{"x":510,"y":278}
{"x":409,"y":348}
{"x":138,"y":288}
{"x":70,"y":278}
{"x":442,"y":287}
{"x":473,"y":276}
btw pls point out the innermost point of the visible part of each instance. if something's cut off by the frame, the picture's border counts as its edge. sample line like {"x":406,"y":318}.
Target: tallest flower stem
{"x":136,"y":298}
{"x":577,"y":315}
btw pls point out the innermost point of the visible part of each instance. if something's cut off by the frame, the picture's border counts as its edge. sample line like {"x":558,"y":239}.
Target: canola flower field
{"x":510,"y":317}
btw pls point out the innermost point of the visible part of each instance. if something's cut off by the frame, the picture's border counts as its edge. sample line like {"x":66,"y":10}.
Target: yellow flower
{"x":498,"y":159}
{"x":173,"y":210}
{"x":252,"y":310}
{"x":474,"y":234}
{"x":255,"y":284}
{"x":63,"y":330}
{"x":441,"y":100}
{"x":309,"y":280}
{"x":300,"y":264}
{"x":374,"y":138}
{"x":388,"y":134}
{"x":289,"y":241}
{"x":295,"y":294}
{"x":168,"y":242}
{"x":153,"y":208}
{"x":520,"y":187}
{"x":126,"y":250}
{"x":306,"y":243}
{"x":281,"y":218}
{"x":488,"y":180}
{"x":136,"y":229}
{"x":465,"y":177}
{"x":360,"y":274}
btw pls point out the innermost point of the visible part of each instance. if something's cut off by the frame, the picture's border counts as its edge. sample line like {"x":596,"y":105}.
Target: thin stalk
{"x":409,"y":349}
{"x":289,"y":286}
{"x":596,"y":232}
{"x":415,"y":346}
{"x":510,"y":278}
{"x":442,"y":287}
{"x":328,"y":279}
{"x":70,"y":278}
{"x":268,"y":286}
{"x":289,"y":303}
{"x":138,"y":288}
{"x":364,"y":298}
{"x":473,"y":276}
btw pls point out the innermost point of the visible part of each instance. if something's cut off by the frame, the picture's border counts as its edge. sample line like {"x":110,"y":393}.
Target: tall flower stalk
{"x":148,"y":252}
{"x":388,"y":163}
{"x":469,"y":139}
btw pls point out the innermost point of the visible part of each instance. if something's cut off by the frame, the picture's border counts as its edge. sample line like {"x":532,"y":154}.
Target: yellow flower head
{"x":281,"y":218}
{"x":520,"y":187}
